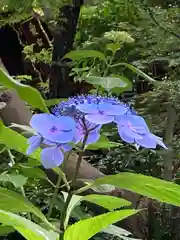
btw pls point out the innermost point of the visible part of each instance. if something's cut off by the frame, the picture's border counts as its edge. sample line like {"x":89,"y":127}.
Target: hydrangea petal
{"x":111,"y":109}
{"x":34,"y":143}
{"x":60,"y":136}
{"x":51,"y":157}
{"x":147,"y":141}
{"x":159,"y":141}
{"x":92,"y":137}
{"x":136,"y":123}
{"x":88,"y":108}
{"x":99,"y":118}
{"x":125,"y":137}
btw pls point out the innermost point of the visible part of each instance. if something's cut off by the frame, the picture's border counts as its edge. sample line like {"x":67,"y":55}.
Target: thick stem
{"x":70,"y":194}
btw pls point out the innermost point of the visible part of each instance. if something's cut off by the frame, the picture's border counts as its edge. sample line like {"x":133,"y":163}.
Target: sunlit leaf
{"x":15,"y":141}
{"x":27,"y":93}
{"x":85,"y":229}
{"x":28,"y":229}
{"x":17,"y":180}
{"x":117,"y":231}
{"x":109,"y":83}
{"x":83,"y":54}
{"x":151,"y":187}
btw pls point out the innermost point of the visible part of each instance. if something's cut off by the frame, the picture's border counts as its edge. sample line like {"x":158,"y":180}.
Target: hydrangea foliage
{"x":82,"y":116}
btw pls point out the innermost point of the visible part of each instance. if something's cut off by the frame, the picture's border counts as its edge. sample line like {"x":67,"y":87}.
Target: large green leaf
{"x":28,"y":229}
{"x":5,"y":230}
{"x":109,"y":83}
{"x":154,"y":188}
{"x":108,"y":202}
{"x":83,"y":54}
{"x":85,"y":229}
{"x":16,"y":179}
{"x":15,"y":141}
{"x":27,"y":93}
{"x":103,"y":142}
{"x":14,"y":202}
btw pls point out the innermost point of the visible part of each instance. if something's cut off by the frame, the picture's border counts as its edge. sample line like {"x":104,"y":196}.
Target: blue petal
{"x":147,"y":141}
{"x":92,"y":138}
{"x":51,"y":157}
{"x":60,"y":137}
{"x":110,"y":109}
{"x":159,"y":141}
{"x":99,"y":118}
{"x":88,"y":108}
{"x":124,"y":136}
{"x":34,"y":142}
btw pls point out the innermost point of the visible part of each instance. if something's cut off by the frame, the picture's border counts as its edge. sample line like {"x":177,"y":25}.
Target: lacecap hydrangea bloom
{"x":82,"y":116}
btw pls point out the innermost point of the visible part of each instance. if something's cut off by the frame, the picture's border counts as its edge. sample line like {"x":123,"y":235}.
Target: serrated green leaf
{"x":28,"y":229}
{"x":109,"y":83}
{"x":103,"y":142}
{"x":17,"y":180}
{"x":151,"y":187}
{"x":85,"y":229}
{"x":27,"y":93}
{"x":83,"y":54}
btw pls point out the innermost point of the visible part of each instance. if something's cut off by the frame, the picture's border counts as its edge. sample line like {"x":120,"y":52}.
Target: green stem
{"x":54,"y":197}
{"x":70,"y":193}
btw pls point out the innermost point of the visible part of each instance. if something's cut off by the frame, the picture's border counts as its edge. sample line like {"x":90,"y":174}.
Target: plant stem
{"x":54,"y":197}
{"x":70,"y":193}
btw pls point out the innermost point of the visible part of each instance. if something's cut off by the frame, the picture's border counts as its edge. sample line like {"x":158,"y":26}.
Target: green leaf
{"x":15,"y":141}
{"x":14,"y":202}
{"x":117,"y":231}
{"x":28,"y":229}
{"x":113,"y":47}
{"x":136,"y":70}
{"x":83,"y":54}
{"x":154,"y":188}
{"x":109,"y":83}
{"x":27,"y":93}
{"x":5,"y":230}
{"x":108,"y":202}
{"x":31,"y":172}
{"x":103,"y":142}
{"x":85,"y":229}
{"x":17,"y":180}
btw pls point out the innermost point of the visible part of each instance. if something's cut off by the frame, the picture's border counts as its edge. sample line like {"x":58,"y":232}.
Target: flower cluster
{"x":82,"y":116}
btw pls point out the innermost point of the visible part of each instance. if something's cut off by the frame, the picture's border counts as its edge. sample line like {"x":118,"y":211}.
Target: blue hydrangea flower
{"x":53,"y":131}
{"x":83,"y":127}
{"x":133,"y":129}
